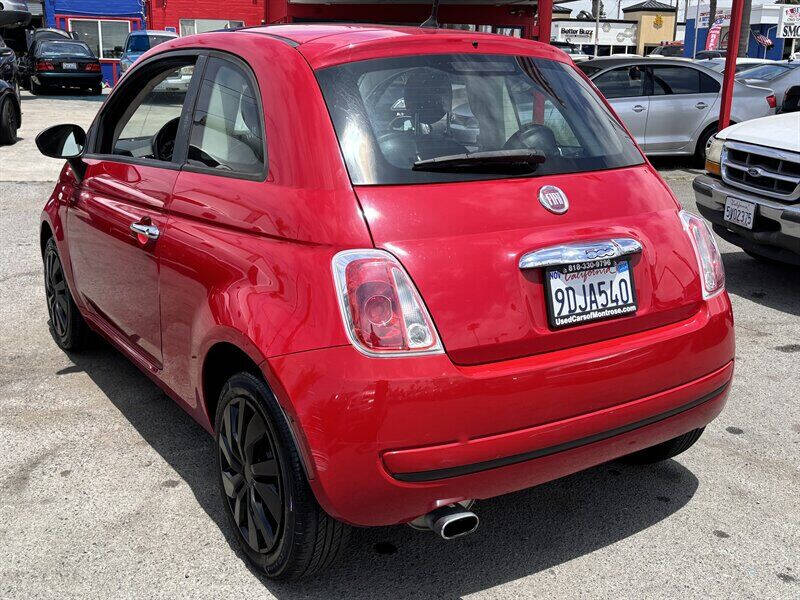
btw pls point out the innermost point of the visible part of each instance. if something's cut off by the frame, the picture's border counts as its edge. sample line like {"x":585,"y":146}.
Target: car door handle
{"x":151,"y":232}
{"x":701,"y":105}
{"x":638,"y":108}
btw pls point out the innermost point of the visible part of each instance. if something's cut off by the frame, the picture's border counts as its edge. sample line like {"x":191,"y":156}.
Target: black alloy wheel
{"x":251,"y":474}
{"x":55,"y":288}
{"x":66,"y":323}
{"x":8,"y":121}
{"x":276,"y":519}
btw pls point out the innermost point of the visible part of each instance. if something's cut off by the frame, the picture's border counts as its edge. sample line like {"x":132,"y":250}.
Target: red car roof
{"x":324,"y":45}
{"x":328,"y":44}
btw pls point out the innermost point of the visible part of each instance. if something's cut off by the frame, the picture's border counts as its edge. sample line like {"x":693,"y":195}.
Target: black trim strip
{"x":701,"y":188}
{"x":541,"y":452}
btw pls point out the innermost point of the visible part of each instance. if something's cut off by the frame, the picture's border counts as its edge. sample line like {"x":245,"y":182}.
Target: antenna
{"x":433,"y":21}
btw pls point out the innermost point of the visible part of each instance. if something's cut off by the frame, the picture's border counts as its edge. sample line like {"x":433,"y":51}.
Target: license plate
{"x":71,"y":66}
{"x":740,"y":212}
{"x":590,"y":291}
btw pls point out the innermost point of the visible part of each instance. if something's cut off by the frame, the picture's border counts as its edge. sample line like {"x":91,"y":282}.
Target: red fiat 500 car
{"x":391,"y":270}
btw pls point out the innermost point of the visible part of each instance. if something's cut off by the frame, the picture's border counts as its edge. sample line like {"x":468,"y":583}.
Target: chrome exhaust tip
{"x":449,"y":522}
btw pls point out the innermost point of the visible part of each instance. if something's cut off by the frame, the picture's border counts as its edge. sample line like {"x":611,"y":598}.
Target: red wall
{"x":167,"y":13}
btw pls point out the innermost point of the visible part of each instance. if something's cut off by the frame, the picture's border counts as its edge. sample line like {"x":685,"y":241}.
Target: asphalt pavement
{"x":106,"y":486}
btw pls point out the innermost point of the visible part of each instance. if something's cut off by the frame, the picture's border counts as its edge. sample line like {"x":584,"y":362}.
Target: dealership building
{"x":780,"y":24}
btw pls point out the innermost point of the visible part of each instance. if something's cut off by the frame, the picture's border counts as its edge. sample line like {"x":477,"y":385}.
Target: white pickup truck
{"x":751,"y":193}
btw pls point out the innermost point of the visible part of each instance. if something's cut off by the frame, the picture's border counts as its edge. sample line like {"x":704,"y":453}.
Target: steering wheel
{"x":534,"y":137}
{"x":164,"y":140}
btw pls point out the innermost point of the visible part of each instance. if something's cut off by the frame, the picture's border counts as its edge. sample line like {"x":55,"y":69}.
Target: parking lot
{"x":108,"y":487}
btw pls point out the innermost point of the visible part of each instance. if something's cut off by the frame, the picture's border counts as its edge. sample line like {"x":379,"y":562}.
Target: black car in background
{"x":62,"y":63}
{"x":31,"y":38}
{"x":10,"y":112}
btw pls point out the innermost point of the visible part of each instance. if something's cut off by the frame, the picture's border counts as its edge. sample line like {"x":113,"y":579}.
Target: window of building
{"x":106,"y":38}
{"x":193,"y":26}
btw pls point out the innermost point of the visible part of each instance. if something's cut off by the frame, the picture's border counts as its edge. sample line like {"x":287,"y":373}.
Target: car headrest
{"x":249,"y":108}
{"x":428,"y":95}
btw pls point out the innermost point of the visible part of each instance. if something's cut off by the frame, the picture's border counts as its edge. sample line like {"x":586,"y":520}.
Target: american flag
{"x":763,"y":40}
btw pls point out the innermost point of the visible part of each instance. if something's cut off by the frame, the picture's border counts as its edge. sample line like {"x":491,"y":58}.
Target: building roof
{"x":557,"y":9}
{"x":650,"y":5}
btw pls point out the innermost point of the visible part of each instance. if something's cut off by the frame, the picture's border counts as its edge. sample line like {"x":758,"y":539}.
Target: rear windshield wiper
{"x":492,"y":161}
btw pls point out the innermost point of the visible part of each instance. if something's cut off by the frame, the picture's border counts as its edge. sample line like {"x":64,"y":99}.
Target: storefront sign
{"x":617,"y":34}
{"x":723,"y":18}
{"x":789,"y":22}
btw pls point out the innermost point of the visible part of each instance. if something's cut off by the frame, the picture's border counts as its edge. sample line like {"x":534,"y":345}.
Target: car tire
{"x":36,"y":89}
{"x":96,"y":90}
{"x":276,"y":519}
{"x":700,"y":149}
{"x":9,"y":121}
{"x":67,"y":326}
{"x":665,"y":450}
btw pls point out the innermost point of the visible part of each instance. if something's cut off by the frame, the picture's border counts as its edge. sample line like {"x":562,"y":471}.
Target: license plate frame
{"x":69,"y":66}
{"x":749,"y":209}
{"x":599,"y":314}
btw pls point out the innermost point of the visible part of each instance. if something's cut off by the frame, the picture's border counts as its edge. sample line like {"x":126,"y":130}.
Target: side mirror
{"x":66,"y":142}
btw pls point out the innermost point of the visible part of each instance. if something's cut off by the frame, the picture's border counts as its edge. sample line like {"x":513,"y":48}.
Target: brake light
{"x":45,"y":65}
{"x":92,"y":67}
{"x":382,"y":310}
{"x":771,"y":101}
{"x":712,"y":271}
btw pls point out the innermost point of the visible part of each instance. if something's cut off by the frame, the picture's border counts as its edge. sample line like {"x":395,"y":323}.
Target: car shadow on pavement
{"x":773,"y":285}
{"x":520,"y":534}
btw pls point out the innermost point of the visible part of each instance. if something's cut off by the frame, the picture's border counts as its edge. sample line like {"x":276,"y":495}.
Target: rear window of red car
{"x":394,"y":112}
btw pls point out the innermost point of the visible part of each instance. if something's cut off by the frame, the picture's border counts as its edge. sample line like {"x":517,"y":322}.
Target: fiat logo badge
{"x":553,"y":199}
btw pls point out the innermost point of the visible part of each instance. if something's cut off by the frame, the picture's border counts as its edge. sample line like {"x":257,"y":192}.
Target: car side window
{"x":622,"y":82}
{"x":146,"y":128}
{"x":708,"y":85}
{"x":668,"y":80}
{"x":227,"y":132}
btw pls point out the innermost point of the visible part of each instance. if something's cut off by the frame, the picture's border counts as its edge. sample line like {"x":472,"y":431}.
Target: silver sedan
{"x":671,"y":106}
{"x":779,"y":76}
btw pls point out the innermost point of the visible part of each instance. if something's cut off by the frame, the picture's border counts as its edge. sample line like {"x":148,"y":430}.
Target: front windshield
{"x":392,"y":113}
{"x":143,"y":43}
{"x":768,"y":72}
{"x":49,"y":49}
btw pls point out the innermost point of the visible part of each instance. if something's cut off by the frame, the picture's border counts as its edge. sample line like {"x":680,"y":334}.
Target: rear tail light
{"x":45,"y":65}
{"x":92,"y":67}
{"x":772,"y":101}
{"x":382,"y":310}
{"x":712,"y":271}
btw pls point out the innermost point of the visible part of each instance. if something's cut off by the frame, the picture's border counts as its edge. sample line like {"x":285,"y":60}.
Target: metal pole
{"x":768,"y":28}
{"x":596,"y":28}
{"x":545,"y":19}
{"x":696,"y":27}
{"x":730,"y":64}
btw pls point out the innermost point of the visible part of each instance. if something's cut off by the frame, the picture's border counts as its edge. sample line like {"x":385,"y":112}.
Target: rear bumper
{"x":776,"y":230}
{"x":387,"y":440}
{"x":68,"y":78}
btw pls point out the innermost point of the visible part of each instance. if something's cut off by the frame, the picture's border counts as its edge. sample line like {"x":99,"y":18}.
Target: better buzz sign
{"x":789,"y":22}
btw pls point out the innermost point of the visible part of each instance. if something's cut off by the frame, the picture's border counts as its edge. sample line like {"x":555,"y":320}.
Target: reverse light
{"x":714,"y":156}
{"x":382,"y":311}
{"x":772,"y":101}
{"x":45,"y":65}
{"x":712,"y":271}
